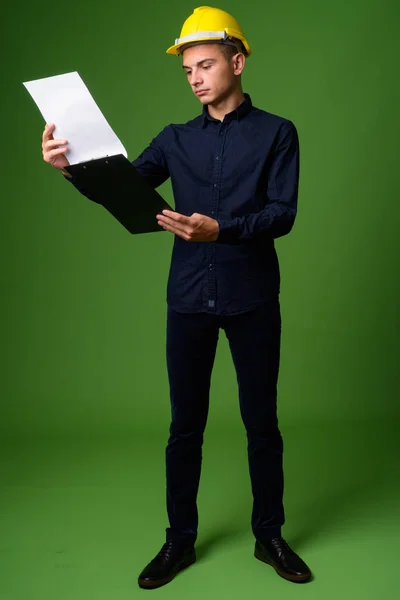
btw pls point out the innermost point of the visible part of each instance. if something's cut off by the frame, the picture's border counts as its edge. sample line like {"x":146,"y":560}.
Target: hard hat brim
{"x":209,"y":37}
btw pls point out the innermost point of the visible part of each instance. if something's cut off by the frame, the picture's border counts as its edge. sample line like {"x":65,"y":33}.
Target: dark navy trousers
{"x":254,"y":341}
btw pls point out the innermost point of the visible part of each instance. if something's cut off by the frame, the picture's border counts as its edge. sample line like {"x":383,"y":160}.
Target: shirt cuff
{"x":226,"y":234}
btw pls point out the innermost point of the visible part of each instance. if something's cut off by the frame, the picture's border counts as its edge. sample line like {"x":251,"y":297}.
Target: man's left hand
{"x":196,"y":228}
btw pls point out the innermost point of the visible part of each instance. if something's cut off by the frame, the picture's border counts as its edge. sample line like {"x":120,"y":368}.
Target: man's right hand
{"x":53,"y":150}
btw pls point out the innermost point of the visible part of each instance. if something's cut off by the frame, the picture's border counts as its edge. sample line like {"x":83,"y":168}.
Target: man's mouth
{"x":201,"y":92}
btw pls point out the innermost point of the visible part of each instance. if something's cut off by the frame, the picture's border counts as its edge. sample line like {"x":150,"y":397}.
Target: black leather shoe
{"x":277,"y":553}
{"x":171,"y":559}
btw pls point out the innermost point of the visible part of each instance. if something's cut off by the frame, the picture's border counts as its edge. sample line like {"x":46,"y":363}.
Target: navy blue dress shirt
{"x":243,"y":172}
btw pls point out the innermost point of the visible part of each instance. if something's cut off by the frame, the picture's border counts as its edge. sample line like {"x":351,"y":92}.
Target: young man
{"x":234,"y":172}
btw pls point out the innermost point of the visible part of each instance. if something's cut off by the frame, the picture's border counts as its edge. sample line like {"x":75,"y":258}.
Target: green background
{"x":84,"y":394}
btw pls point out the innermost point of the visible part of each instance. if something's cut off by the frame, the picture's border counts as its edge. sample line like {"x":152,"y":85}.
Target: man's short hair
{"x":228,"y":50}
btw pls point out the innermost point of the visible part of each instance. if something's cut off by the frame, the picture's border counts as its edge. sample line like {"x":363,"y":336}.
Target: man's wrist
{"x":216,"y":233}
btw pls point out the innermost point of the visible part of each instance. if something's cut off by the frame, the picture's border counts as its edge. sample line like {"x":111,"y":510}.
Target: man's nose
{"x":196,"y":79}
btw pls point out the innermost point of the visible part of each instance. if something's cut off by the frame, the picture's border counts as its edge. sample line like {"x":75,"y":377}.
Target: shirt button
{"x":213,"y":212}
{"x":210,"y":267}
{"x":215,"y":185}
{"x":217,"y":158}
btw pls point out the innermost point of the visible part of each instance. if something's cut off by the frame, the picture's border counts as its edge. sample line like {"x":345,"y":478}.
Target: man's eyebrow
{"x":201,"y":62}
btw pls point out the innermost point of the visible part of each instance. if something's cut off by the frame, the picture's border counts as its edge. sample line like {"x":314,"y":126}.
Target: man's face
{"x":209,"y":74}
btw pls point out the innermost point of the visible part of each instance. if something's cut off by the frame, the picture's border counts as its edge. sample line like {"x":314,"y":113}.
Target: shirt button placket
{"x":212,"y":291}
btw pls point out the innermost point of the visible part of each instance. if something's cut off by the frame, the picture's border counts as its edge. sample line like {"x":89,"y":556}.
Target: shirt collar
{"x":241,"y":111}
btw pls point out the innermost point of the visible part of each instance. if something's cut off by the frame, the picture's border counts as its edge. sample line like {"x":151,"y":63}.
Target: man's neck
{"x":226,"y":106}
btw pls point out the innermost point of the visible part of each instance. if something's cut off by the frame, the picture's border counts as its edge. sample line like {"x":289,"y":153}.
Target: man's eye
{"x":207,"y":67}
{"x":188,"y":72}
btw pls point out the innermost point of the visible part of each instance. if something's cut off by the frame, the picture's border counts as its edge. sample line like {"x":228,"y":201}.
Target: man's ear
{"x":239,"y":61}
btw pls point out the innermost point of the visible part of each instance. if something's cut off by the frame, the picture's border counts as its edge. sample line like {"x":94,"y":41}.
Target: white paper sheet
{"x":66,"y":101}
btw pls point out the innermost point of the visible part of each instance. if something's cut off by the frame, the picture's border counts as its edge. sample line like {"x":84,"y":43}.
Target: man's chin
{"x":206,"y":99}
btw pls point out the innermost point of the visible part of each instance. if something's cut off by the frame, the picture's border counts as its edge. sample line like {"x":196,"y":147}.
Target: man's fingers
{"x":174,"y":230}
{"x":50,"y":144}
{"x":172,"y":227}
{"x":173,"y":224}
{"x":48,"y":132}
{"x":47,"y":156}
{"x":170,"y":214}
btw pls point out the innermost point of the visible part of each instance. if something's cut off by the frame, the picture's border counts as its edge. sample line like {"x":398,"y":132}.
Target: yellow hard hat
{"x":208,"y":24}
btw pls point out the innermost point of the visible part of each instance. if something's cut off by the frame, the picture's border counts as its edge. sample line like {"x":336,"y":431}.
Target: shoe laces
{"x":281,"y":545}
{"x":165,"y":553}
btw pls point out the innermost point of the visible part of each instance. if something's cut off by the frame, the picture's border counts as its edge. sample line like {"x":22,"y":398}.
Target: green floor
{"x":80,"y":518}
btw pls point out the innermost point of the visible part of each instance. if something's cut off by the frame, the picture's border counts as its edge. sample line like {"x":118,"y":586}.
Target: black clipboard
{"x":114,"y":183}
